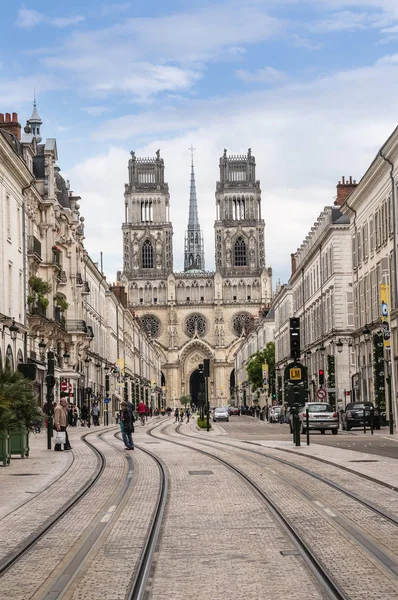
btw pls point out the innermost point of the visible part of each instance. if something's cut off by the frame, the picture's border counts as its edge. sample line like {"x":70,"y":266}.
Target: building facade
{"x":54,"y":297}
{"x":371,"y":208}
{"x":195,"y":315}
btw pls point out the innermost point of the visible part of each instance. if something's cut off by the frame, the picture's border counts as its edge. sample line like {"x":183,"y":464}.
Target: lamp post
{"x":106,"y":369}
{"x":88,"y":390}
{"x":14,"y":330}
{"x":366,"y":334}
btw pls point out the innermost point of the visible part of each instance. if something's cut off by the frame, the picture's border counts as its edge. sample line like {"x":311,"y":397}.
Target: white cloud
{"x":264,"y":75}
{"x":28,"y":19}
{"x":304,"y":138}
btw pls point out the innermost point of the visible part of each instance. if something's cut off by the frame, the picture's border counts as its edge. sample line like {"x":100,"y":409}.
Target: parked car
{"x":353,"y":415}
{"x":321,"y":417}
{"x":221,"y":414}
{"x":234,"y":410}
{"x":274,"y":414}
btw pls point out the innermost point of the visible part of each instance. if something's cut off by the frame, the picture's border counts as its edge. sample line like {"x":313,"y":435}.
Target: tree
{"x":255,"y":363}
{"x":184,"y":400}
{"x":18,"y":405}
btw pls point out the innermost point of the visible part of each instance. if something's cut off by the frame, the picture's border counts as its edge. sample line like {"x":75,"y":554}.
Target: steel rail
{"x":21,"y":549}
{"x":330,"y":586}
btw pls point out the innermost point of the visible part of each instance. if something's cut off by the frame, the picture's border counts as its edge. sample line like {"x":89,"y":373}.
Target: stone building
{"x":195,"y":314}
{"x":58,"y":297}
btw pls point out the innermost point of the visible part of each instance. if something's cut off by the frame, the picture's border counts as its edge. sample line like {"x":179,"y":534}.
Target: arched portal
{"x":195,"y":390}
{"x":162,"y":379}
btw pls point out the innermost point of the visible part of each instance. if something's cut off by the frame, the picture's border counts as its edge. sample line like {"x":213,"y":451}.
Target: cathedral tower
{"x":147,"y":230}
{"x":194,"y":258}
{"x":239,"y":227}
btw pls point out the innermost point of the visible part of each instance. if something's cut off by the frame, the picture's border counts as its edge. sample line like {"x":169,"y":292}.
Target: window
{"x":147,"y":255}
{"x":240,"y":252}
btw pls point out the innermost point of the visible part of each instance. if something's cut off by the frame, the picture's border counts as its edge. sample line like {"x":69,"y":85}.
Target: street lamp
{"x":322,"y":349}
{"x":366,"y":333}
{"x":66,"y":357}
{"x":14,"y":330}
{"x":339,"y":346}
{"x":42,"y":349}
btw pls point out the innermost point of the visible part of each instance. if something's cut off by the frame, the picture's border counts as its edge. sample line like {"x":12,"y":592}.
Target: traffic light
{"x":321,"y":377}
{"x":295,"y":338}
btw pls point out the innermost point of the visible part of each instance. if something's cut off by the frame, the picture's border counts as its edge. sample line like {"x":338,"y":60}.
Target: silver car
{"x":321,"y":417}
{"x":221,"y":414}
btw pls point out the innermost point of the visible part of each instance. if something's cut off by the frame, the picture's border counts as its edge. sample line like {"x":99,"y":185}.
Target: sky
{"x":311,"y":86}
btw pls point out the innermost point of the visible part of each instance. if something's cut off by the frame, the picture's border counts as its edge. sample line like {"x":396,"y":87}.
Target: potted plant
{"x":60,"y":302}
{"x":40,"y":289}
{"x":19,"y":413}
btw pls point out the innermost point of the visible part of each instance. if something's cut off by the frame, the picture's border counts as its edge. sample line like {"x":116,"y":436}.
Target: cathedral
{"x":195,"y":314}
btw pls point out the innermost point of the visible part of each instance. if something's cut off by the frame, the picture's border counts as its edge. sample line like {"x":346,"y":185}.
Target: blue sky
{"x":310,"y":86}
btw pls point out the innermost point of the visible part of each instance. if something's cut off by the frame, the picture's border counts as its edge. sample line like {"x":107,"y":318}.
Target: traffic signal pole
{"x":50,"y":382}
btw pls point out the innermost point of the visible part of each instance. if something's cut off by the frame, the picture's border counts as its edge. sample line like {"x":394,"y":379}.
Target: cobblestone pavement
{"x":218,"y":542}
{"x":65,"y":473}
{"x":313,"y":518}
{"x":108,"y":571}
{"x":44,"y":559}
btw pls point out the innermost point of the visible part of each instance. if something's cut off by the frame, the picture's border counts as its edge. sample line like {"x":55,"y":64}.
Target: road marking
{"x":108,"y":514}
{"x":329,"y":512}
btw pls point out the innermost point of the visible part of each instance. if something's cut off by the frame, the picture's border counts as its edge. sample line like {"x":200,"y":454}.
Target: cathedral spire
{"x":194,"y":251}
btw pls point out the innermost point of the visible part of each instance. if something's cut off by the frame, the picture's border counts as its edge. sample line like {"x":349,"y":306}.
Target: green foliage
{"x":184,"y":400}
{"x":60,"y":301}
{"x":17,"y":401}
{"x":378,"y":371}
{"x":39,"y":288}
{"x":255,"y":367}
{"x":202,"y":423}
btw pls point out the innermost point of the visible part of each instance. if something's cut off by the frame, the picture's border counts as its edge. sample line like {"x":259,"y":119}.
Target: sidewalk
{"x":24,"y":478}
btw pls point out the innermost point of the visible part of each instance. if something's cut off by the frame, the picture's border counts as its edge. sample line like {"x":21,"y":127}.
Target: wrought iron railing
{"x":39,"y":311}
{"x":34,"y":246}
{"x":76,"y":326}
{"x":61,"y":277}
{"x":90,"y":332}
{"x":86,"y":288}
{"x":79,"y":279}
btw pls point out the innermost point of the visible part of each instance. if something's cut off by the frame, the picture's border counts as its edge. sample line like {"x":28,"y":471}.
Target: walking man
{"x":126,"y":426}
{"x":61,"y":423}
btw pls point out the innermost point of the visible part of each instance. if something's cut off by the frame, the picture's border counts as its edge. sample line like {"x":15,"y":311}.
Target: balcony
{"x":38,"y":311}
{"x":76,"y":326}
{"x":90,"y":332}
{"x":86,"y":288}
{"x":59,"y":318}
{"x":79,"y":279}
{"x":34,"y":247}
{"x":62,"y":278}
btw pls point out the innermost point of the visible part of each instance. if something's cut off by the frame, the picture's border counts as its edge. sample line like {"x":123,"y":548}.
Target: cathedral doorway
{"x":195,"y":388}
{"x":232,"y":383}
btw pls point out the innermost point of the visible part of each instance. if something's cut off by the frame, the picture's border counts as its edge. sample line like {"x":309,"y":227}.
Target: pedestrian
{"x":117,"y":415}
{"x":126,"y":426}
{"x":95,"y":413}
{"x":188,"y":414}
{"x":141,"y":409}
{"x":61,"y":423}
{"x":84,"y":415}
{"x":176,"y":414}
{"x":181,"y":415}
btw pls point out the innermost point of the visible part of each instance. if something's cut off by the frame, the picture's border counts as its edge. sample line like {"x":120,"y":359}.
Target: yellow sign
{"x":120,"y":366}
{"x":385,"y":313}
{"x":265,"y":374}
{"x":295,"y":374}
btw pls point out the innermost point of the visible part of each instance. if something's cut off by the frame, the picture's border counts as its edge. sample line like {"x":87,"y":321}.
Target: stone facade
{"x":195,"y":314}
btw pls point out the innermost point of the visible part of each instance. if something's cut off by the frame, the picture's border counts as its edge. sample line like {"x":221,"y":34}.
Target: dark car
{"x":234,"y":410}
{"x":354,"y":415}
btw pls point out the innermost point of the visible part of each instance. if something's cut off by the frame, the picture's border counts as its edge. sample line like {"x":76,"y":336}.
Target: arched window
{"x":240,"y":252}
{"x":147,"y":255}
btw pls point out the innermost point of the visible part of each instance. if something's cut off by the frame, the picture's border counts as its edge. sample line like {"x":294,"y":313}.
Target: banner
{"x":120,"y":366}
{"x":385,"y":313}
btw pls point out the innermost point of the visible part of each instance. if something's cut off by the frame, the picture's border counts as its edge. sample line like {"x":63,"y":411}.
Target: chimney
{"x":344,"y":189}
{"x":120,"y":294}
{"x":293,"y":261}
{"x":10,"y":124}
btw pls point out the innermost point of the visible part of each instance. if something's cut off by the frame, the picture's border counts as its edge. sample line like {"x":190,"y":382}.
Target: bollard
{"x":307,"y":425}
{"x":372,"y":412}
{"x":364,"y":420}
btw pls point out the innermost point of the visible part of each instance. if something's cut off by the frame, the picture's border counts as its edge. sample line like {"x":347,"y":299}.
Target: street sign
{"x":64,"y":385}
{"x":331,"y":390}
{"x":321,"y":394}
{"x":295,"y":374}
{"x":107,"y":400}
{"x":275,"y":402}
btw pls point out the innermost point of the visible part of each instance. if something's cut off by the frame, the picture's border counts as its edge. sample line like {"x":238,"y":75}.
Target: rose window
{"x":195,"y":324}
{"x":151,"y":324}
{"x":241,"y":322}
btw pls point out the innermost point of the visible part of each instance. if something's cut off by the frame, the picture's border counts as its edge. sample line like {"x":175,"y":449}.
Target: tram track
{"x":327,"y":579}
{"x":20,"y":550}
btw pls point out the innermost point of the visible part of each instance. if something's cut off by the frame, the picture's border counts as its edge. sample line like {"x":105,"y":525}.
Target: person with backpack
{"x":188,"y":413}
{"x":127,"y":426}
